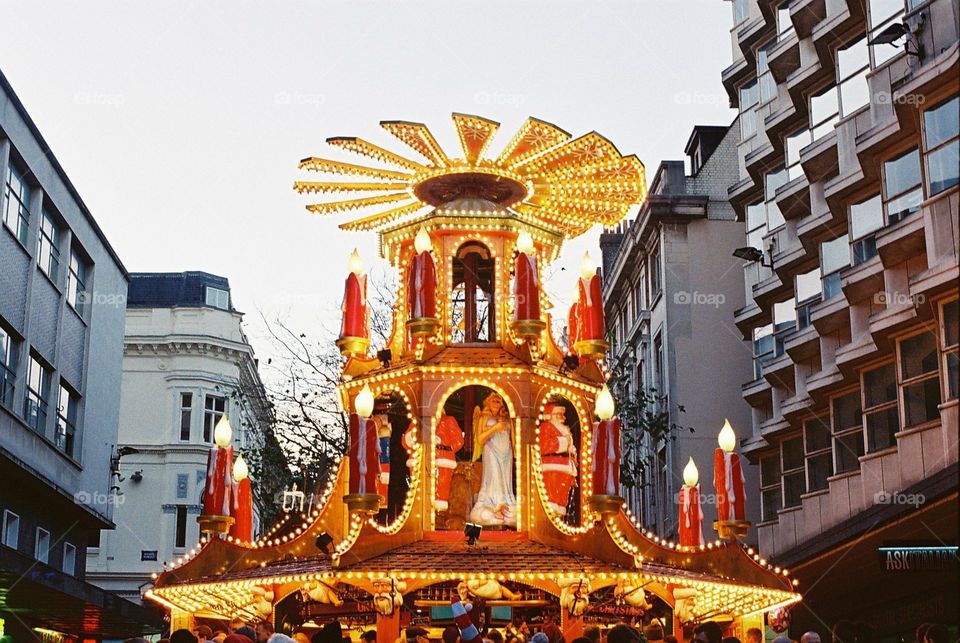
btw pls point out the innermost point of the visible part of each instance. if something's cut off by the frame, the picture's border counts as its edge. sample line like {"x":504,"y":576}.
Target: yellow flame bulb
{"x":422,"y":242}
{"x":588,"y":268}
{"x":605,"y":407}
{"x":727,"y":438}
{"x":525,"y":243}
{"x":355,"y":263}
{"x":240,"y":470}
{"x":222,"y":432}
{"x":364,"y":402}
{"x":691,"y":476}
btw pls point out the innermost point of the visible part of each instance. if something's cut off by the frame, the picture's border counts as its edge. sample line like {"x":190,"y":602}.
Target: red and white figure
{"x":219,"y":484}
{"x":526,"y":283}
{"x":409,"y":442}
{"x":382,"y":422}
{"x":364,"y":452}
{"x":354,"y":305}
{"x":449,"y":439}
{"x":691,"y":514}
{"x":558,"y":458}
{"x":461,"y":616}
{"x":606,"y":447}
{"x":422,"y":280}
{"x":728,"y":477}
{"x":591,"y":320}
{"x":242,"y":527}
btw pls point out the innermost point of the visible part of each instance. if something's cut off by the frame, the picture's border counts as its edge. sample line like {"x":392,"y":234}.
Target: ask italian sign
{"x":918,"y":557}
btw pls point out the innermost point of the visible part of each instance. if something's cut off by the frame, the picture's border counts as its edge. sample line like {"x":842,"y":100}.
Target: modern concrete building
{"x":848,"y":184}
{"x":186,"y":362}
{"x":670,"y":286}
{"x":62,"y":290}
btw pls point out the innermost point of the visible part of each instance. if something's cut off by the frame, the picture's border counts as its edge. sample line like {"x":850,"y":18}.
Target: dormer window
{"x":473,"y":316}
{"x":218,"y":298}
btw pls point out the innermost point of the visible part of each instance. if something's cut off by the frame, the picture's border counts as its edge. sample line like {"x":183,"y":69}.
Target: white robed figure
{"x":496,"y":502}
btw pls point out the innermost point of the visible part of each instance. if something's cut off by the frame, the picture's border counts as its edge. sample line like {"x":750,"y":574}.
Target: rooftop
{"x":178,"y":289}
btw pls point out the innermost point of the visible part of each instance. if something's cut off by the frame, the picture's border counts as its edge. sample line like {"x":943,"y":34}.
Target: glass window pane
{"x":921,"y":401}
{"x":881,"y":10}
{"x":879,"y":386}
{"x":769,"y":470}
{"x":835,"y":254}
{"x":854,"y":93}
{"x":902,"y":173}
{"x":942,"y":122}
{"x":849,"y":448}
{"x":823,"y":111}
{"x":942,"y":167}
{"x":882,"y":427}
{"x":852,"y":59}
{"x":904,"y":205}
{"x":953,"y":374}
{"x":756,"y":216}
{"x":808,"y":285}
{"x":784,"y":314}
{"x":770,"y":500}
{"x":819,"y":468}
{"x":794,"y":485}
{"x":792,"y":451}
{"x":846,"y":412}
{"x":918,"y":355}
{"x":865,"y":217}
{"x":951,"y":326}
{"x":817,"y":433}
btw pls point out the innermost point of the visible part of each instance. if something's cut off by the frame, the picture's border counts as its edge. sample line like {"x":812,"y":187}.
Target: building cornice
{"x":134,"y":345}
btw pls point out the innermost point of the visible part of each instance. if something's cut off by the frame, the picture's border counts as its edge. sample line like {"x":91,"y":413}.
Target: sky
{"x":181,"y":123}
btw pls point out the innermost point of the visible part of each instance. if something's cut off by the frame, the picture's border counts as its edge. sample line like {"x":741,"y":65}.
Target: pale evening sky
{"x":181,"y":123}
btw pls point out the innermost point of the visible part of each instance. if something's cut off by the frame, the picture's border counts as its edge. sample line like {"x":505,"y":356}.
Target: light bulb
{"x":240,"y":470}
{"x":355,"y":263}
{"x":421,"y":242}
{"x":587,"y":266}
{"x":364,"y":402}
{"x":690,"y":474}
{"x":727,"y":438}
{"x":223,"y":431}
{"x":605,"y":407}
{"x":525,"y":243}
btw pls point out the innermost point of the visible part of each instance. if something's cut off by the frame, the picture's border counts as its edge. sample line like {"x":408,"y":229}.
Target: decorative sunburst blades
{"x":544,"y":175}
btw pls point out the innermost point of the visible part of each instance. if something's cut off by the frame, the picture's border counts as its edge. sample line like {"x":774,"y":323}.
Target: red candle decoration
{"x":355,"y":300}
{"x":728,"y":477}
{"x":606,"y":447}
{"x":573,"y":325}
{"x":526,"y":289}
{"x":242,"y":527}
{"x":592,"y":325}
{"x":422,"y":280}
{"x":691,"y":514}
{"x":218,"y":486}
{"x":364,"y":452}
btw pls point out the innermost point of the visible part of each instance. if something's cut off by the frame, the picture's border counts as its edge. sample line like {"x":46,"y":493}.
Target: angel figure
{"x":496,"y":502}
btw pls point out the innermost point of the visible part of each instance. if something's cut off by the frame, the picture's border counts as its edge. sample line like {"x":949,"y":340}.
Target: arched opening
{"x":392,"y":416}
{"x":472,"y":309}
{"x":560,"y":444}
{"x":474,"y":468}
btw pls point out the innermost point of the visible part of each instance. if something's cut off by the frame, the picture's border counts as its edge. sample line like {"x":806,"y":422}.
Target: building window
{"x":771,"y":183}
{"x":880,"y":14}
{"x":186,"y":415}
{"x":771,"y":496}
{"x":11,"y":529}
{"x":949,"y":311}
{"x":807,"y":288}
{"x":824,"y":112}
{"x":16,"y":199}
{"x":763,"y":349}
{"x":847,"y":419}
{"x":656,"y":282}
{"x":784,"y":24}
{"x":658,"y":366}
{"x":741,"y":10}
{"x":919,"y":378}
{"x":940,"y":130}
{"x":69,"y":401}
{"x":218,"y":298}
{"x":796,"y":142}
{"x":38,"y":389}
{"x":48,"y":252}
{"x":819,"y":457}
{"x":767,"y":84}
{"x":834,"y":256}
{"x":69,"y":558}
{"x":866,"y":217}
{"x":9,"y":352}
{"x":472,"y":312}
{"x":180,"y":529}
{"x":880,"y":412}
{"x":901,"y":186}
{"x":76,"y":281}
{"x":749,"y":97}
{"x":214,"y":407}
{"x":794,"y":477}
{"x":853,"y":63}
{"x":41,"y":549}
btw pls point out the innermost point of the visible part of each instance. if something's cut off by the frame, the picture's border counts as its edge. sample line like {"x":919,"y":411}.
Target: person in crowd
{"x":539,"y":637}
{"x":219,"y":634}
{"x":730,"y":639}
{"x":754,"y":635}
{"x":370,"y":636}
{"x":302,"y":637}
{"x":203,"y":633}
{"x":279,"y":638}
{"x":332,"y":632}
{"x":235,"y":624}
{"x":417,"y":635}
{"x":183,"y":636}
{"x":708,"y":632}
{"x":451,"y":634}
{"x":936,"y":633}
{"x":810,"y":637}
{"x":237,"y":638}
{"x":550,"y":628}
{"x":783,"y":639}
{"x":654,"y":631}
{"x":670,"y":638}
{"x":920,"y":633}
{"x":495,"y":636}
{"x":264,"y":631}
{"x":592,"y":633}
{"x":517,"y":628}
{"x":623,"y":633}
{"x":247,"y":632}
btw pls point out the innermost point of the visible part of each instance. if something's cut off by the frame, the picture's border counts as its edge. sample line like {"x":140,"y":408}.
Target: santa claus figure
{"x":449,"y":441}
{"x":558,"y":456}
{"x":383,"y":435}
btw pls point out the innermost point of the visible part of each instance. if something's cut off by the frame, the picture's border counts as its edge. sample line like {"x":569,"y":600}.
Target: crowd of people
{"x":518,"y":631}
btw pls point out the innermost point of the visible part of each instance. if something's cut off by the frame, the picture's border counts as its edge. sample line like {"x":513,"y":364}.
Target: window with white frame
{"x":763,"y":349}
{"x":658,"y":365}
{"x":9,"y":356}
{"x":11,"y":529}
{"x":217,"y":297}
{"x":741,"y":10}
{"x":16,"y":203}
{"x":951,"y":346}
{"x":880,"y":412}
{"x":765,"y":80}
{"x":866,"y":217}
{"x":180,"y":528}
{"x":749,"y":98}
{"x":771,"y":495}
{"x":214,"y":406}
{"x":67,"y":408}
{"x":38,"y":389}
{"x":880,"y":15}
{"x":853,"y":63}
{"x":48,"y":252}
{"x":819,"y":456}
{"x":794,"y":143}
{"x":834,"y":256}
{"x":902,"y":187}
{"x":656,"y":284}
{"x":76,"y":281}
{"x":824,"y":112}
{"x":807,"y":288}
{"x":919,"y":378}
{"x":69,"y":565}
{"x":41,"y":548}
{"x":186,"y":415}
{"x":771,"y":183}
{"x":794,"y":476}
{"x":784,"y":323}
{"x":941,"y":129}
{"x":846,"y":417}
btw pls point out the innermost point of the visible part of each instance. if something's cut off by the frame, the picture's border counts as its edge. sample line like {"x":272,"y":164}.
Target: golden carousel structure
{"x":483,"y":459}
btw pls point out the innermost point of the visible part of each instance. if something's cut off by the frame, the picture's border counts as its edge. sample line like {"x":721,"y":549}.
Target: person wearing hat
{"x":416,"y":635}
{"x":558,"y":458}
{"x":330,"y":633}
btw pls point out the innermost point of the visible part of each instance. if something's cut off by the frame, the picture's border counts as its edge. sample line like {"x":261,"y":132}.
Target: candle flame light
{"x":240,"y":469}
{"x":355,"y":263}
{"x":588,"y":268}
{"x":691,"y":476}
{"x":364,"y":402}
{"x":727,"y":438}
{"x":422,"y":242}
{"x":223,"y":432}
{"x":525,"y":243}
{"x":605,"y":407}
